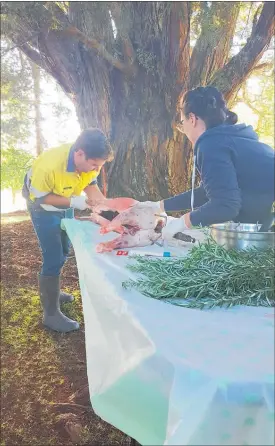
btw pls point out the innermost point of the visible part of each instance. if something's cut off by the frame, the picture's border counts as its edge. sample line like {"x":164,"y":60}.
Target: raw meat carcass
{"x":137,"y":227}
{"x":102,"y":221}
{"x":138,"y":217}
{"x":133,"y":238}
{"x":95,"y":218}
{"x":144,"y":237}
{"x":119,"y":204}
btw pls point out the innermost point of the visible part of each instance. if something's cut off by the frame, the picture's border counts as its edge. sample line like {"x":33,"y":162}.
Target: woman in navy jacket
{"x":236,"y":169}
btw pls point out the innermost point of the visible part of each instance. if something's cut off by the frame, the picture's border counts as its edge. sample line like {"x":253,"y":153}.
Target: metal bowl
{"x":242,"y":236}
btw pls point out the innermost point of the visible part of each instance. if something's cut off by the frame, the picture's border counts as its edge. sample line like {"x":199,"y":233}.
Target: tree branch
{"x":236,"y":71}
{"x":262,"y":67}
{"x":57,"y":13}
{"x":248,"y":102}
{"x":255,"y":18}
{"x":36,"y":58}
{"x":32,"y":54}
{"x":19,"y":45}
{"x":98,"y":47}
{"x":128,"y":50}
{"x":212,"y":47}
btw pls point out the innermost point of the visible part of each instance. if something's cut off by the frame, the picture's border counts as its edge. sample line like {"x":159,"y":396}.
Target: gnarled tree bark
{"x":126,"y":65}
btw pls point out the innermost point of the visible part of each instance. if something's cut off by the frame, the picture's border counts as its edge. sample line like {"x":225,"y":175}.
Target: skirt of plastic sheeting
{"x":167,"y":375}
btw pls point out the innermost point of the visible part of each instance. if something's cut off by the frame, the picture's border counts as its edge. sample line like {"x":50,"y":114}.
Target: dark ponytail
{"x":208,"y":104}
{"x":231,"y":117}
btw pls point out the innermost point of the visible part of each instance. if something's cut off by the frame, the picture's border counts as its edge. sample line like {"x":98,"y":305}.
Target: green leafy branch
{"x":208,"y":276}
{"x":14,"y":165}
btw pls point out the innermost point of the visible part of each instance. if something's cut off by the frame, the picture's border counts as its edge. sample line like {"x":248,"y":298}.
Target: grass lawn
{"x":40,"y":370}
{"x":7,"y":219}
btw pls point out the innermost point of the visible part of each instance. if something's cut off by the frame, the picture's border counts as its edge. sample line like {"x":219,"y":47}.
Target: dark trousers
{"x":54,"y":242}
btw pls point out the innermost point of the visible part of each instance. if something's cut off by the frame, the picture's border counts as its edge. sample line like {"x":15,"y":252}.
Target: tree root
{"x":71,"y":407}
{"x":74,"y":430}
{"x":81,"y":396}
{"x":71,"y":424}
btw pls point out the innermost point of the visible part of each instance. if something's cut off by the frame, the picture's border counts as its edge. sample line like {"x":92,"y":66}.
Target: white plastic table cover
{"x":167,"y":375}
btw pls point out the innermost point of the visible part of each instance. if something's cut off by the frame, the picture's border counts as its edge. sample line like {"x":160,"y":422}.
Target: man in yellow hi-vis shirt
{"x":52,"y":188}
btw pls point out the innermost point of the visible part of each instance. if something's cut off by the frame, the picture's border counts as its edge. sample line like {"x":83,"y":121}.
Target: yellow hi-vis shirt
{"x":54,"y":172}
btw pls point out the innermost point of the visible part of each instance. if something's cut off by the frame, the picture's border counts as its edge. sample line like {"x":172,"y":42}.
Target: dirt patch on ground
{"x":41,"y":369}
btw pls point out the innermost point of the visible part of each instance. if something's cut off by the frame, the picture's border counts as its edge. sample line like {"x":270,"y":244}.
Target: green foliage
{"x":244,"y":24}
{"x":14,"y":165}
{"x":262,"y":103}
{"x":265,"y":107}
{"x":258,"y":94}
{"x":18,"y":99}
{"x":18,"y":115}
{"x":16,"y":89}
{"x":16,"y":118}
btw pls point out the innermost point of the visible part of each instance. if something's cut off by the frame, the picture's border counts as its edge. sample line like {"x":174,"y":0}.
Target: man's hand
{"x":79,"y":203}
{"x":175,"y":226}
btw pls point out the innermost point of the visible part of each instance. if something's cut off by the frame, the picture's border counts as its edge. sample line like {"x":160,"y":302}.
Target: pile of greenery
{"x":208,"y":276}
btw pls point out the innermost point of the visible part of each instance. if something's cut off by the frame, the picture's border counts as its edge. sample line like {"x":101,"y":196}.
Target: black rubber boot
{"x":49,"y":287}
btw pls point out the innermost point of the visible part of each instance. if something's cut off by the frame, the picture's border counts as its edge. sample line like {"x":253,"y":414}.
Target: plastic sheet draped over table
{"x":167,"y":375}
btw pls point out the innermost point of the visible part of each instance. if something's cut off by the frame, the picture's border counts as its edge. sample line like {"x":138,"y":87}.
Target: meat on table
{"x":137,"y":228}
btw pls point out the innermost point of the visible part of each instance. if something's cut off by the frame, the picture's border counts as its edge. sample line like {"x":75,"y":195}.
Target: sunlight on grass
{"x":13,"y":219}
{"x":31,"y":366}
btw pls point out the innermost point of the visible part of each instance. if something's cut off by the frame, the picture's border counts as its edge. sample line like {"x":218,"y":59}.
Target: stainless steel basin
{"x":242,"y":236}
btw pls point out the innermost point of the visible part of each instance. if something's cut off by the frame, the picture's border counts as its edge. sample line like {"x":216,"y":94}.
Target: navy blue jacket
{"x":237,"y":178}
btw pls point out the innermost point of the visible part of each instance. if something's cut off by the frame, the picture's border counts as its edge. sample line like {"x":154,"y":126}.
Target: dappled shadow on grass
{"x":17,"y":219}
{"x":30,"y":372}
{"x":40,"y":368}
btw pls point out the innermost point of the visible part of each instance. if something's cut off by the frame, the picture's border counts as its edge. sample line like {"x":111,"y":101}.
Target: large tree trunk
{"x":139,"y":108}
{"x":128,"y":79}
{"x":136,"y":110}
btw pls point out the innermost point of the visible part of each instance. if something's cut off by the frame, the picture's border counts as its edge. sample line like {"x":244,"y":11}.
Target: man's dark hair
{"x":94,"y":144}
{"x":208,"y":104}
